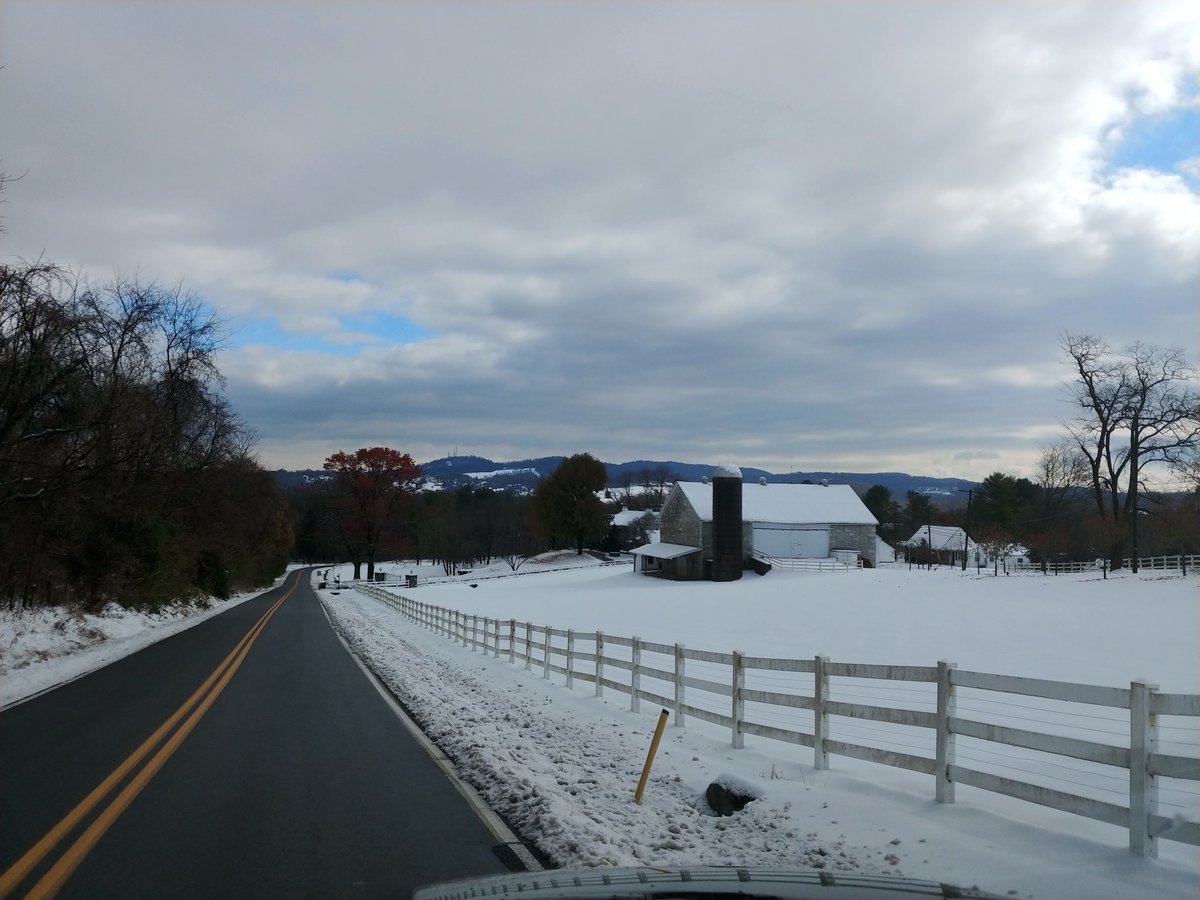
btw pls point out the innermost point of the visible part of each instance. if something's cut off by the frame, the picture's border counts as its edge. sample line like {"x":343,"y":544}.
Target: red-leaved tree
{"x":372,"y":483}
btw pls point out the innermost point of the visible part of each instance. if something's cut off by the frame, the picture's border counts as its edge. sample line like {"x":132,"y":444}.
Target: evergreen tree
{"x":565,"y":504}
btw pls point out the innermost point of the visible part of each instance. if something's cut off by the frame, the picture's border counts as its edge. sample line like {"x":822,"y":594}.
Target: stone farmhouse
{"x":778,"y":521}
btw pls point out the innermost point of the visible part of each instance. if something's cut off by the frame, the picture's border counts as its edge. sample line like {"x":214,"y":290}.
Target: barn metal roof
{"x":787,"y":504}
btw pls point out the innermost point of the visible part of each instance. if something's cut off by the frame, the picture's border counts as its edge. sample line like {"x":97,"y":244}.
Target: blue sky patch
{"x":368,"y":328}
{"x":1159,"y":142}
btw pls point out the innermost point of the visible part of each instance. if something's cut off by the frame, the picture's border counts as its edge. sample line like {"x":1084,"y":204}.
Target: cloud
{"x":793,"y":235}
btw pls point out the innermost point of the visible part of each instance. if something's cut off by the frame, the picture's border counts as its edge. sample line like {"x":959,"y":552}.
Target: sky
{"x":798,"y":236}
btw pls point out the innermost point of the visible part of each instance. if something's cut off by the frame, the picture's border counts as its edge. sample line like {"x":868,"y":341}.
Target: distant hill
{"x":523,"y":474}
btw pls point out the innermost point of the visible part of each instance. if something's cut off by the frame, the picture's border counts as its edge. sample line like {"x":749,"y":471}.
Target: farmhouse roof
{"x":939,"y":537}
{"x":787,"y":504}
{"x":629,"y":516}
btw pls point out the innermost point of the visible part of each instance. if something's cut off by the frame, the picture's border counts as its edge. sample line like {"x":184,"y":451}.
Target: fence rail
{"x":776,"y":698}
{"x":1182,"y":563}
{"x":809,"y":565}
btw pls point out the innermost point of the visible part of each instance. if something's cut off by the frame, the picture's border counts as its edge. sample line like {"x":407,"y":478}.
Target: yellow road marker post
{"x":662,"y":723}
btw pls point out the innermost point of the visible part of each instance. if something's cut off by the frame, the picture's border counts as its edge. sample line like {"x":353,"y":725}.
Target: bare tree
{"x":117,"y":448}
{"x":1138,"y":408}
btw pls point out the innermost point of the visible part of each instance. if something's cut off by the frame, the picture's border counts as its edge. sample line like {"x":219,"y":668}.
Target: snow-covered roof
{"x":664,"y":551}
{"x":787,"y":504}
{"x":629,"y":516}
{"x":884,"y":552}
{"x":727,"y":470}
{"x":939,"y":537}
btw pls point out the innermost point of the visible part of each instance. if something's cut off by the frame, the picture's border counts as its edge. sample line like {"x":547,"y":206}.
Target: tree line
{"x":370,"y":508}
{"x":1137,"y":415}
{"x":124,"y":474}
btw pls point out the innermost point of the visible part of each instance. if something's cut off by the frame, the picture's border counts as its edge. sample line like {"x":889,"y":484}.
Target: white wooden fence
{"x":809,"y":565}
{"x":776,"y":698}
{"x":1184,"y":563}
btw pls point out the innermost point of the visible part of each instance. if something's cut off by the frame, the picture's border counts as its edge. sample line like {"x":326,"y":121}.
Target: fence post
{"x":635,"y":676}
{"x":739,"y":705}
{"x":546,"y":654}
{"x":944,"y":747}
{"x":528,"y":646}
{"x":680,"y":685}
{"x":599,"y":663}
{"x":1143,"y":786}
{"x":497,"y":624}
{"x":474,"y":633}
{"x":820,"y":719}
{"x":512,"y":641}
{"x":570,"y":658}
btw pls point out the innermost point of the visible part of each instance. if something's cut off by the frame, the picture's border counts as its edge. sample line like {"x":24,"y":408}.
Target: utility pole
{"x":1134,"y":555}
{"x":970,"y":492}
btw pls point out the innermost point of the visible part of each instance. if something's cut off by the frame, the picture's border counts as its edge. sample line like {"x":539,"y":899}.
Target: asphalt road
{"x":296,"y":781}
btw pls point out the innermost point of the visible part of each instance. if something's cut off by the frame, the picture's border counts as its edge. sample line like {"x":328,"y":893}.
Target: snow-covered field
{"x":562,"y":765}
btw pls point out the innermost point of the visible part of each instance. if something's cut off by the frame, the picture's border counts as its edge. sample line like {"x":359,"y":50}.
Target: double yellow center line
{"x":197,"y":704}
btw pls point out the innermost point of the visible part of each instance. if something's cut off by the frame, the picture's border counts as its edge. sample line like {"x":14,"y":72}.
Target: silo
{"x":727,"y":524}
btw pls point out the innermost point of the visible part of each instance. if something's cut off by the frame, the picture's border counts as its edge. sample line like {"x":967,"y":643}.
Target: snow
{"x":787,"y":504}
{"x":562,"y":765}
{"x":43,"y":648}
{"x":629,"y":516}
{"x":483,"y":476}
{"x":939,"y":537}
{"x":660,"y":550}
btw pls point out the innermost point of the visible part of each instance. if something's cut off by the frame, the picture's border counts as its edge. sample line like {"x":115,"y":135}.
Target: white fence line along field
{"x":1185,"y":564}
{"x":1126,"y":756}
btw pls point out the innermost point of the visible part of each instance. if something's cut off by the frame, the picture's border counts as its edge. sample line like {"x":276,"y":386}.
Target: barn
{"x":780,"y":521}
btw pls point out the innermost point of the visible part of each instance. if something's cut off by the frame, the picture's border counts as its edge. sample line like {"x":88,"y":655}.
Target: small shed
{"x":676,"y":561}
{"x":946,"y":544}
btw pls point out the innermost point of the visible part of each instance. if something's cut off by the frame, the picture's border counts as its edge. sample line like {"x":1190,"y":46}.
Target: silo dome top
{"x":727,"y":470}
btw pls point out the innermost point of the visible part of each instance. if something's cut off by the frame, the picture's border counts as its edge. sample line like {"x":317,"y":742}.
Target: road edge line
{"x":490,"y":818}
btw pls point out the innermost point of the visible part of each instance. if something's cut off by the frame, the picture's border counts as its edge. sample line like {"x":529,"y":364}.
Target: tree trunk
{"x":1116,"y":555}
